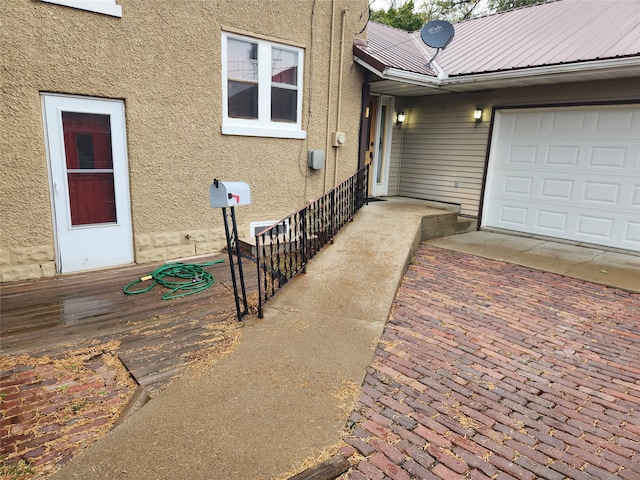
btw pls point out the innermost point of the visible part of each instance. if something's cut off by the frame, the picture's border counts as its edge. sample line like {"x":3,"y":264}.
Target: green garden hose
{"x":181,"y":278}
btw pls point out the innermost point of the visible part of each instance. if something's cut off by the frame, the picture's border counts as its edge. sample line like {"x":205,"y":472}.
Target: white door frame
{"x":382,"y":152}
{"x":86,"y":247}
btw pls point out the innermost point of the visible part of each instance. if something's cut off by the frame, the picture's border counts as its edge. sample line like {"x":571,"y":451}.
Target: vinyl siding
{"x":441,"y":144}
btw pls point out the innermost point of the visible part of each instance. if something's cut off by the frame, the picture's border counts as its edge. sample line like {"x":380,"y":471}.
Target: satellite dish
{"x":437,"y":34}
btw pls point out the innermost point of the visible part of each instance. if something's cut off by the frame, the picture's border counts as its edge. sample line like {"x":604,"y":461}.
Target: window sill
{"x":262,"y":132}
{"x":104,"y":7}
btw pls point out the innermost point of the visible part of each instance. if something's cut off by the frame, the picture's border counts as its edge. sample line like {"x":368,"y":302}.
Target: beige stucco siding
{"x":442,"y":145}
{"x":163,"y":59}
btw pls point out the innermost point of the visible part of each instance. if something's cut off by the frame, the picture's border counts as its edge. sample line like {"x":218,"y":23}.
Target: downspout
{"x":328,"y":132}
{"x":340,"y":69}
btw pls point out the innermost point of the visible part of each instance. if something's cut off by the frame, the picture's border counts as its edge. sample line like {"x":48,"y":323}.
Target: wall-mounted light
{"x":477,"y":115}
{"x":400,"y":117}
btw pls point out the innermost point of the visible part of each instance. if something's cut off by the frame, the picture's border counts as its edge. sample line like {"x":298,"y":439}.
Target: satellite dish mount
{"x":437,"y":34}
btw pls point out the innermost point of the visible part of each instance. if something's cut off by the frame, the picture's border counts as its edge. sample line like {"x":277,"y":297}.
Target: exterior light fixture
{"x":401,"y":117}
{"x":477,"y":115}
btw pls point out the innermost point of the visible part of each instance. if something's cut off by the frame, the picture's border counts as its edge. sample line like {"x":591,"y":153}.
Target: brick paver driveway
{"x":488,"y":370}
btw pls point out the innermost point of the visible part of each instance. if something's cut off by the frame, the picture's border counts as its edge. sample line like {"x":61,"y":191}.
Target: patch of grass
{"x":76,"y":407}
{"x":15,"y":470}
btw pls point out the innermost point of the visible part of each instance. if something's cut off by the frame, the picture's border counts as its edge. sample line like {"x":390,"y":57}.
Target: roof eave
{"x":397,"y":75}
{"x":613,"y":68}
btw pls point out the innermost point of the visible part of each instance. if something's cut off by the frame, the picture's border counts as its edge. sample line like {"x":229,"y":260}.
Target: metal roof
{"x":559,"y":34}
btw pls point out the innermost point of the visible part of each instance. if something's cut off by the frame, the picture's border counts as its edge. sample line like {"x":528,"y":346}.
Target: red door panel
{"x":87,"y":141}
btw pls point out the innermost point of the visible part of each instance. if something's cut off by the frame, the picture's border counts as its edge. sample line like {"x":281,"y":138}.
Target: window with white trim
{"x":105,"y":7}
{"x":262,"y":87}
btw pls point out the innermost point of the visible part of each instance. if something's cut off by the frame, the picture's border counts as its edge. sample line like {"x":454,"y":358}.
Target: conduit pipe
{"x":328,"y":132}
{"x":340,"y":71}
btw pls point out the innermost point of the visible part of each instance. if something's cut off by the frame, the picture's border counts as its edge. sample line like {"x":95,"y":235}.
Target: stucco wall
{"x":442,"y":145}
{"x":163,"y":60}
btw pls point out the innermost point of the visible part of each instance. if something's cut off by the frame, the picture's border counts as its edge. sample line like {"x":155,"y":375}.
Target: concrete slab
{"x":486,"y":244}
{"x":586,"y":263}
{"x":610,"y":268}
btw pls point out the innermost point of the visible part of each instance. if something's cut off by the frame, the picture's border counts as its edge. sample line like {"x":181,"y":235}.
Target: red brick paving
{"x":51,"y":408}
{"x":489,"y":370}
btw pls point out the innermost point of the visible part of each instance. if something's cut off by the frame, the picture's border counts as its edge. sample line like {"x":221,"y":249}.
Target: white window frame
{"x":105,"y":7}
{"x":262,"y":126}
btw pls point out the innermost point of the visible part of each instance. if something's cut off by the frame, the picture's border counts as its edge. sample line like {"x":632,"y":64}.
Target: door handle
{"x":56,"y":189}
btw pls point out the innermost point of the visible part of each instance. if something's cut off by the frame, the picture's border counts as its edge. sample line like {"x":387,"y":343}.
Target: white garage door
{"x":571,"y":173}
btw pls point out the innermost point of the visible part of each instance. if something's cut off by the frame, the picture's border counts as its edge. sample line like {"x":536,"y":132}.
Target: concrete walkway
{"x":285,"y":393}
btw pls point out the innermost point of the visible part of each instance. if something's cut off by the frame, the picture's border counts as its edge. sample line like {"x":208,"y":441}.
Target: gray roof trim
{"x":612,"y":68}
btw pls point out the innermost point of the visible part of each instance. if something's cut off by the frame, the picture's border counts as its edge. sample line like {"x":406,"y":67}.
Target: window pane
{"x":84,"y":144}
{"x":243,"y":99}
{"x":284,"y":104}
{"x":87,"y":143}
{"x":87,"y":140}
{"x":284,"y":66}
{"x":242,"y":60}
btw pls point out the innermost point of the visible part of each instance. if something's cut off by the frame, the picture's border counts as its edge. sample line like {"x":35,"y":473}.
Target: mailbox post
{"x":228,"y":195}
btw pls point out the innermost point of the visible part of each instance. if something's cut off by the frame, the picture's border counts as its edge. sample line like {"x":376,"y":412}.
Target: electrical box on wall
{"x":316,"y":159}
{"x":339,"y":138}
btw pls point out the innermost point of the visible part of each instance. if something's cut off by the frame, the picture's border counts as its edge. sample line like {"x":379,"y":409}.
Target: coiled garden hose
{"x":181,"y":278}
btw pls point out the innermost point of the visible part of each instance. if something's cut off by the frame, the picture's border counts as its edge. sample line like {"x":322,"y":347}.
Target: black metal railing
{"x":284,"y":249}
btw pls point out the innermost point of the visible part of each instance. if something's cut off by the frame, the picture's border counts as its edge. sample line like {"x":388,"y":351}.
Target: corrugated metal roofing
{"x":553,"y":33}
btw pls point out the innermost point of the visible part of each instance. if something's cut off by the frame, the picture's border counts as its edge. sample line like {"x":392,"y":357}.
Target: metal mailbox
{"x":229,"y":194}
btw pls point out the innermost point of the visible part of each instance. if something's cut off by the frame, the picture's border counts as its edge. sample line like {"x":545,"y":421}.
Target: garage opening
{"x":571,"y":173}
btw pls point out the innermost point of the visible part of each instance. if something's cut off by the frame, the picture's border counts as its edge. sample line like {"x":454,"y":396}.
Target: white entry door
{"x":88,"y":169}
{"x":382,"y":147}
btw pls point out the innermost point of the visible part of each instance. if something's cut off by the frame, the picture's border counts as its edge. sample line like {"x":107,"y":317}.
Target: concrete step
{"x":445,"y":224}
{"x":466,"y":225}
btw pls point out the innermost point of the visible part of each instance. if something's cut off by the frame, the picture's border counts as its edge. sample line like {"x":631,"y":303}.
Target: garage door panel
{"x":514,"y":216}
{"x":530,"y":124}
{"x":597,"y":227}
{"x":612,"y":122}
{"x":570,"y":225}
{"x":610,"y":158}
{"x":568,"y":122}
{"x":632,"y":232}
{"x":616,"y":193}
{"x":571,"y":174}
{"x":635,"y":196}
{"x":521,"y":155}
{"x":557,"y":188}
{"x":602,"y":155}
{"x":551,"y":222}
{"x":602,"y":193}
{"x":514,"y":185}
{"x":561,"y":156}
